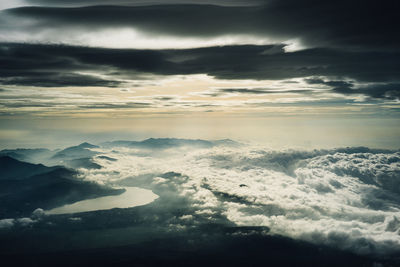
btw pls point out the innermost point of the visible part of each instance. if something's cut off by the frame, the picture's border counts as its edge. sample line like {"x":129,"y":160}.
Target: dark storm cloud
{"x":380,"y":90}
{"x":164,"y":98}
{"x":28,"y":103}
{"x":352,"y":24}
{"x":52,"y":79}
{"x":388,"y":91}
{"x":140,"y":2}
{"x":43,"y":65}
{"x":241,"y":62}
{"x":116,"y":106}
{"x":260,"y":91}
{"x":36,"y":104}
{"x":243,"y":91}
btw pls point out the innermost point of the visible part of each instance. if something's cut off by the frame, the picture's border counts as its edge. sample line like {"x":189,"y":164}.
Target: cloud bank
{"x":347,"y":198}
{"x":344,"y":198}
{"x":346,"y":51}
{"x":327,"y":24}
{"x":61,"y":65}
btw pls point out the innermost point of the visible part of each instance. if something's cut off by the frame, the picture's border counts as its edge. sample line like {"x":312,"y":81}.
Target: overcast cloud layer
{"x":339,"y":51}
{"x":333,"y":23}
{"x":60,"y":65}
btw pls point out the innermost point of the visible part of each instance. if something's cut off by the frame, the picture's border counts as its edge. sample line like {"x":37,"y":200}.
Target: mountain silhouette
{"x":35,"y":155}
{"x":74,"y":152}
{"x":14,"y":169}
{"x":25,"y":187}
{"x":164,"y":143}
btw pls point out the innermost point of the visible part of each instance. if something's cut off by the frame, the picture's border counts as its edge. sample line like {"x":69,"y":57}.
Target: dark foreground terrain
{"x":218,"y":248}
{"x":145,"y":236}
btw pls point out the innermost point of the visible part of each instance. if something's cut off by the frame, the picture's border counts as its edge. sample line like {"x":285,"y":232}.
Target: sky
{"x":290,"y":73}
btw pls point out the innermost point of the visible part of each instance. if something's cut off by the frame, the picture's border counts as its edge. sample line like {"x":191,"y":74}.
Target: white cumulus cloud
{"x":345,"y":198}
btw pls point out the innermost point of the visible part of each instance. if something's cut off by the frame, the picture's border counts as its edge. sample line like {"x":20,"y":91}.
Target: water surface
{"x":133,"y":196}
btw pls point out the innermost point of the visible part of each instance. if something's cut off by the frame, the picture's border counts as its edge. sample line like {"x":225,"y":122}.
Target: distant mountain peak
{"x":75,"y":152}
{"x":87,"y":145}
{"x":164,"y":143}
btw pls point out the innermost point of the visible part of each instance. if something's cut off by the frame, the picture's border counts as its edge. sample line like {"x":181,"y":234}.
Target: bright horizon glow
{"x":291,"y":132}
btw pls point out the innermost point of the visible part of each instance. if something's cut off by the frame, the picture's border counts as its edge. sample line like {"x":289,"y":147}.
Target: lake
{"x":132,"y":197}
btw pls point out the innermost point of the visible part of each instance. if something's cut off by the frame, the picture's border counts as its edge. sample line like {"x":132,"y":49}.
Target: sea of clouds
{"x":345,"y":198}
